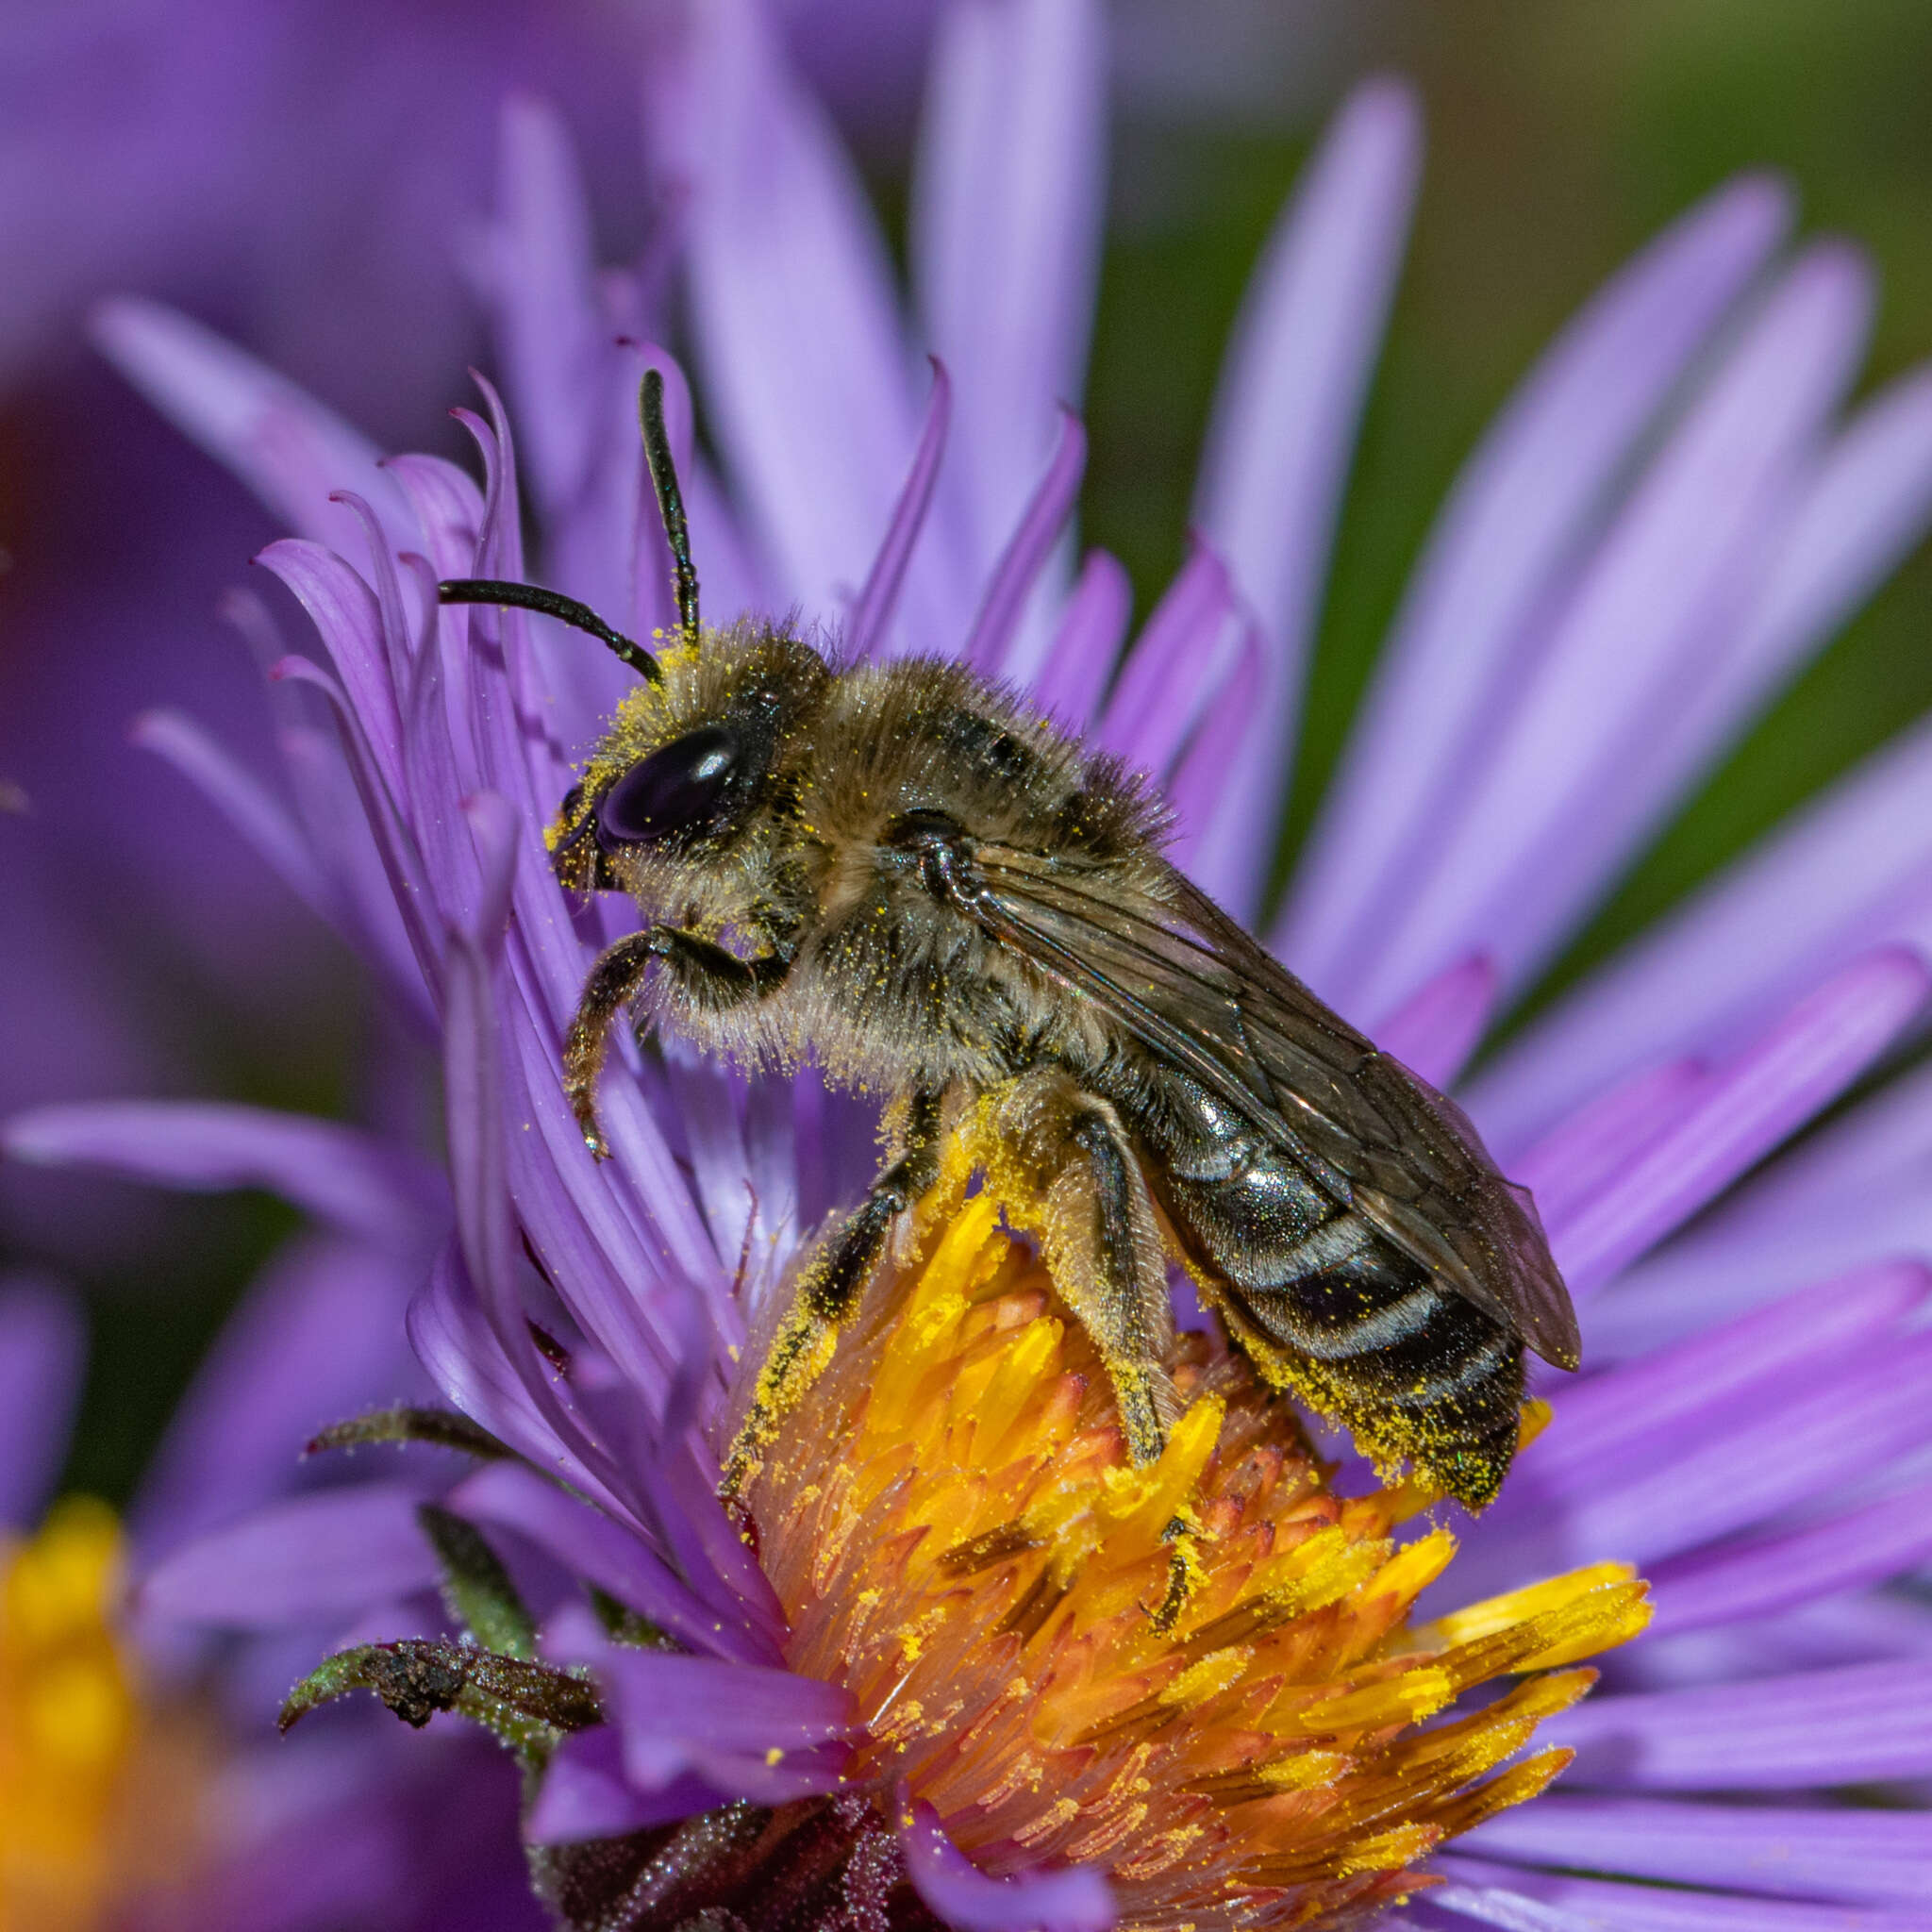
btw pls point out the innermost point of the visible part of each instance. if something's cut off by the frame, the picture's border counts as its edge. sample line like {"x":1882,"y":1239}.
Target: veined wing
{"x":1186,"y":982}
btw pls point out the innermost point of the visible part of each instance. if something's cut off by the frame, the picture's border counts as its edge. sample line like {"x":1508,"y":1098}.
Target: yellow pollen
{"x":959,"y":1539}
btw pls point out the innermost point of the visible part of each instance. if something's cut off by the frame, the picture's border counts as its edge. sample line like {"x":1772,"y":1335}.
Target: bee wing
{"x":1186,"y":981}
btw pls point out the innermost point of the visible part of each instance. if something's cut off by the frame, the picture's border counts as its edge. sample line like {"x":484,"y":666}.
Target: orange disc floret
{"x":952,"y":1528}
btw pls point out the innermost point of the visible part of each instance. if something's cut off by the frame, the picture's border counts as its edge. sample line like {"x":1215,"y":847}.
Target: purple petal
{"x":1853,"y":1193}
{"x":1852,"y":869}
{"x":590,"y":1545}
{"x":281,"y":443}
{"x":1435,"y":1030}
{"x":1858,"y":1726}
{"x":1581,"y":1152}
{"x":317,"y":1559}
{"x":346,"y":614}
{"x":1285,"y":417}
{"x":989,"y":646}
{"x":317,"y":1338}
{"x":775,"y":205}
{"x":1509,"y":528}
{"x":881,"y":593}
{"x":1086,"y":644}
{"x":247,"y":805}
{"x":1820,"y":1428}
{"x":1746,"y":1109}
{"x":1568,"y":720}
{"x":42,"y":1356}
{"x":448,"y":508}
{"x":533,"y":267}
{"x":586,"y":1793}
{"x":1196,"y":783}
{"x":1740,"y":1581}
{"x":1644,"y":1410}
{"x":1850,"y":1855}
{"x":1077,"y":1899}
{"x":1005,"y":243}
{"x":1153,"y":699}
{"x":1540,"y":1901}
{"x":369,"y":1188}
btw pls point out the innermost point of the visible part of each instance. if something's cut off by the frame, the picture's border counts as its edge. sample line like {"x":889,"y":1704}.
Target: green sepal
{"x":442,"y":1429}
{"x":622,"y":1624}
{"x":476,"y":1589}
{"x":530,"y":1706}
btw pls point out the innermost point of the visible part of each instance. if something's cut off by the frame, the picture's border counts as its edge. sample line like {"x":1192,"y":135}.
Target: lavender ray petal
{"x":345,"y":612}
{"x":1863,"y":503}
{"x":990,"y":644}
{"x":374,"y":1190}
{"x":1578,"y":1155}
{"x":775,"y":205}
{"x":1570,"y":716}
{"x":1434,"y":1032}
{"x":730,"y":1708}
{"x":1640,"y":1412}
{"x":1818,"y":1429}
{"x":532,"y":267}
{"x":876,"y":601}
{"x":586,"y":1793}
{"x":1736,"y":1582}
{"x":243,"y":801}
{"x":42,"y":1358}
{"x":1849,"y":1856}
{"x":1075,"y":1900}
{"x":1860,"y":1725}
{"x":1510,"y":526}
{"x":1852,"y":869}
{"x":1197,"y":782}
{"x":590,"y":1545}
{"x":1747,"y":1109}
{"x":459,"y":1350}
{"x":1086,"y":644}
{"x":1544,"y":1901}
{"x":312,"y":1560}
{"x":448,"y":509}
{"x":1164,"y":670}
{"x":319,"y":1337}
{"x":1008,"y":194}
{"x":1854,"y":1192}
{"x":281,"y":443}
{"x":1285,"y":416}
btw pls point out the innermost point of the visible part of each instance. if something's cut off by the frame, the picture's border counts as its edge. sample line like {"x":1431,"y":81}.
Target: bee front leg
{"x":705,"y":975}
{"x":829,"y":1287}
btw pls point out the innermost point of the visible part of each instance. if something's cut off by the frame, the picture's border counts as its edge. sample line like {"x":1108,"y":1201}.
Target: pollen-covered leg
{"x":1058,"y":1148}
{"x":704,"y":976}
{"x":829,"y":1289}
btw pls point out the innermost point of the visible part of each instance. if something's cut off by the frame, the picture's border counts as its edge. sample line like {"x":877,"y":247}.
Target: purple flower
{"x":1669,"y":519}
{"x":132,"y":1792}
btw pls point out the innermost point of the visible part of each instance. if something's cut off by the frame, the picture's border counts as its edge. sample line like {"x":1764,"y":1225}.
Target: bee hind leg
{"x":1104,"y":1249}
{"x":829,"y":1289}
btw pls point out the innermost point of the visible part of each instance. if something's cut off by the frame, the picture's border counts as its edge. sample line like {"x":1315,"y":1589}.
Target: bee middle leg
{"x":829,"y":1289}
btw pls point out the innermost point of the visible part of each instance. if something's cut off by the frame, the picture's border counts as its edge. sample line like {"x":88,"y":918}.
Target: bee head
{"x":687,"y":783}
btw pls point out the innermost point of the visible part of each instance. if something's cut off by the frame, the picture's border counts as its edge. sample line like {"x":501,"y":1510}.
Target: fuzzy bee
{"x":902,"y":872}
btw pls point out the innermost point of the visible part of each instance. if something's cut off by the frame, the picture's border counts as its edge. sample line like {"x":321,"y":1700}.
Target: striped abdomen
{"x":1400,"y":1356}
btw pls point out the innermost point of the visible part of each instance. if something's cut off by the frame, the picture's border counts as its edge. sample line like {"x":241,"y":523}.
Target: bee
{"x":901,"y":870}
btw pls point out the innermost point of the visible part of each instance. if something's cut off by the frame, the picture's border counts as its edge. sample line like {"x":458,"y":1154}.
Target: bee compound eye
{"x":685,"y":786}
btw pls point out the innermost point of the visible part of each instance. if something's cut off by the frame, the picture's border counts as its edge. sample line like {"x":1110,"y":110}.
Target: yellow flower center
{"x":88,"y":1811}
{"x":957,"y":1536}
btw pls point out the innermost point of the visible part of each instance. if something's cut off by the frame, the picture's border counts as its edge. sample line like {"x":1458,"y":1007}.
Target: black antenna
{"x":669,"y":502}
{"x":551,"y":603}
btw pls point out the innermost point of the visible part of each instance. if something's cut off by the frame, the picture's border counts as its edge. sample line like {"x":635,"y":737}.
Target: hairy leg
{"x":703,"y":973}
{"x":829,"y":1287}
